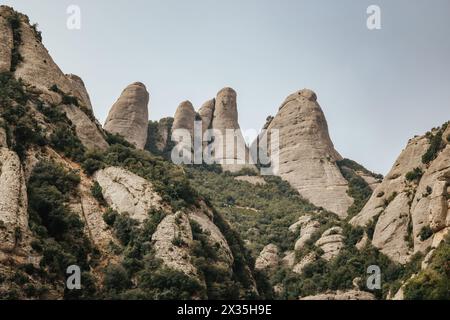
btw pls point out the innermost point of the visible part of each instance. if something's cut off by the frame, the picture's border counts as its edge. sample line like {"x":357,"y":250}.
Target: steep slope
{"x":128,"y":117}
{"x":307,"y":158}
{"x":410,"y":208}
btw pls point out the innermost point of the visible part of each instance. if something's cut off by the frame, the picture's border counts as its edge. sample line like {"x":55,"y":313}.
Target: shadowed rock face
{"x":128,"y":117}
{"x":306,"y":154}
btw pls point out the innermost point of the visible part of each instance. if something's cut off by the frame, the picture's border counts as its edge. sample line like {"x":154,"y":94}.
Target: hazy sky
{"x":377,"y":88}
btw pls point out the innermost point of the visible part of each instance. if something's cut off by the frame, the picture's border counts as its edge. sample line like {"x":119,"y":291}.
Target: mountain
{"x":75,"y":194}
{"x":111,"y":202}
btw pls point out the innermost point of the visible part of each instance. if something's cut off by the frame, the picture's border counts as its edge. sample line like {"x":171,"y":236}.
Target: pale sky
{"x":377,"y":88}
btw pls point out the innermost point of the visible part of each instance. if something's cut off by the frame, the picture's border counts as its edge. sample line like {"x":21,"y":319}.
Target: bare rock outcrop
{"x":128,"y":116}
{"x":87,"y":130}
{"x":307,"y":158}
{"x":77,"y":85}
{"x":331,"y":242}
{"x":128,"y":193}
{"x":307,"y":227}
{"x":14,"y":230}
{"x":342,"y":295}
{"x":235,"y":156}
{"x":268,"y":258}
{"x":172,"y":241}
{"x":411,"y":205}
{"x":185,"y":118}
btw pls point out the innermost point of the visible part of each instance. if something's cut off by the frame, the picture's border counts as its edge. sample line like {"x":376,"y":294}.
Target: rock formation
{"x":128,"y":193}
{"x":307,"y":158}
{"x":13,"y":203}
{"x":331,"y":242}
{"x":342,"y":295}
{"x":268,"y":258}
{"x":87,"y":130}
{"x":410,"y":207}
{"x":128,"y":117}
{"x":80,"y":90}
{"x":206,"y":113}
{"x":40,"y":73}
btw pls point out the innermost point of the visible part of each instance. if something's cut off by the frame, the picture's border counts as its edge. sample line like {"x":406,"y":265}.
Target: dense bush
{"x":436,"y":145}
{"x":66,"y":141}
{"x":16,"y":58}
{"x":434,"y":282}
{"x":59,"y":232}
{"x":261,"y":214}
{"x":358,"y":188}
{"x":414,"y":175}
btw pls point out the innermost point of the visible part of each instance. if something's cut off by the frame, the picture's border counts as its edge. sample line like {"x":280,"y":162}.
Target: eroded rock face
{"x":307,"y":158}
{"x":13,"y":203}
{"x":233,"y":156}
{"x":307,"y":228}
{"x":128,"y":117}
{"x":342,"y":295}
{"x":78,"y":86}
{"x":268,"y":258}
{"x":86,"y":130}
{"x":6,"y":45}
{"x":406,"y":209}
{"x":331,"y":242}
{"x":172,"y":241}
{"x":128,"y":193}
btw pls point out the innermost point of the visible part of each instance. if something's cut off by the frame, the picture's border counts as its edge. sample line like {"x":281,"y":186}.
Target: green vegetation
{"x":358,"y":188}
{"x":425,"y":233}
{"x":20,"y":124}
{"x":141,"y":275}
{"x":16,"y":57}
{"x":414,"y":175}
{"x":432,"y":283}
{"x":96,"y":191}
{"x":154,"y":135}
{"x":66,"y":98}
{"x":358,"y":168}
{"x":169,"y":180}
{"x":436,"y":144}
{"x":59,"y":232}
{"x":260,"y":213}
